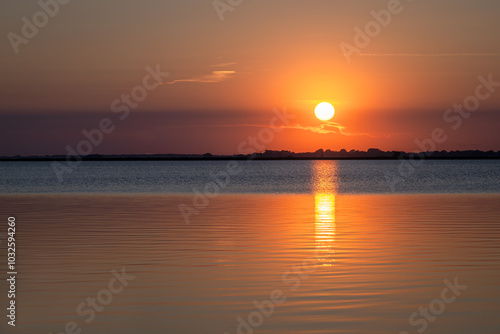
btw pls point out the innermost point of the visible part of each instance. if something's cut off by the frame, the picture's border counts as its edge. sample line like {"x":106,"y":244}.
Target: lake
{"x":278,"y":177}
{"x":276,"y":247}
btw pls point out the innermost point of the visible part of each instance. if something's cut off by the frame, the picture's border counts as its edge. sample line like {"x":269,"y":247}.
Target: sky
{"x":229,"y":66}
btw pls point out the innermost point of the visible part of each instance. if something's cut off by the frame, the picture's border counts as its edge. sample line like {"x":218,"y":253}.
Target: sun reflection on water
{"x":325,"y":187}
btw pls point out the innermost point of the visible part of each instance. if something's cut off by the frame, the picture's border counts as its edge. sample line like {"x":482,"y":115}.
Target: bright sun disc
{"x":324,"y":111}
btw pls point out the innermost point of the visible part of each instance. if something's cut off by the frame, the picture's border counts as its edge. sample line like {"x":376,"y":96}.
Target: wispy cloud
{"x":215,"y":76}
{"x":326,"y":128}
{"x":429,"y":54}
{"x":333,"y":127}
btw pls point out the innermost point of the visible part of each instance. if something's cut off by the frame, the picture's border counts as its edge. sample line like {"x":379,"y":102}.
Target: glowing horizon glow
{"x":324,"y":111}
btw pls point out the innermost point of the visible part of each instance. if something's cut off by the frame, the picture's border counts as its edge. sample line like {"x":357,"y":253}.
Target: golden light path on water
{"x":325,"y":187}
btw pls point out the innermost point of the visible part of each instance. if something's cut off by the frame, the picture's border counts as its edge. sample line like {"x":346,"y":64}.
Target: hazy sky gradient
{"x":227,"y":76}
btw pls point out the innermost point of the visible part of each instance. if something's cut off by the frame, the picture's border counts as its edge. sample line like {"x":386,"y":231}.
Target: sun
{"x":324,"y":111}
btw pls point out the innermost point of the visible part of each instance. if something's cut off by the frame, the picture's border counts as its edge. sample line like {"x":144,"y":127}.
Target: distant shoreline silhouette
{"x":371,"y":154}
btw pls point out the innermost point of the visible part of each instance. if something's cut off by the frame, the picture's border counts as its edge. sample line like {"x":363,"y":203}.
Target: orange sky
{"x":225,"y":77}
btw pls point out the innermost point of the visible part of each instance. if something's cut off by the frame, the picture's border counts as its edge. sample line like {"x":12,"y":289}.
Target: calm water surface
{"x":293,"y":177}
{"x":345,"y":263}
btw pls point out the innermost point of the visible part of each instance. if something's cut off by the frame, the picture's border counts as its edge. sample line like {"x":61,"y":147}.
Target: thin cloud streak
{"x":429,"y":54}
{"x":327,"y":128}
{"x":332,"y":127}
{"x":215,"y":76}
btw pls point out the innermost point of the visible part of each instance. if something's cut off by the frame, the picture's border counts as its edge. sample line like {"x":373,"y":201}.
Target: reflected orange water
{"x":382,"y":258}
{"x":325,"y":186}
